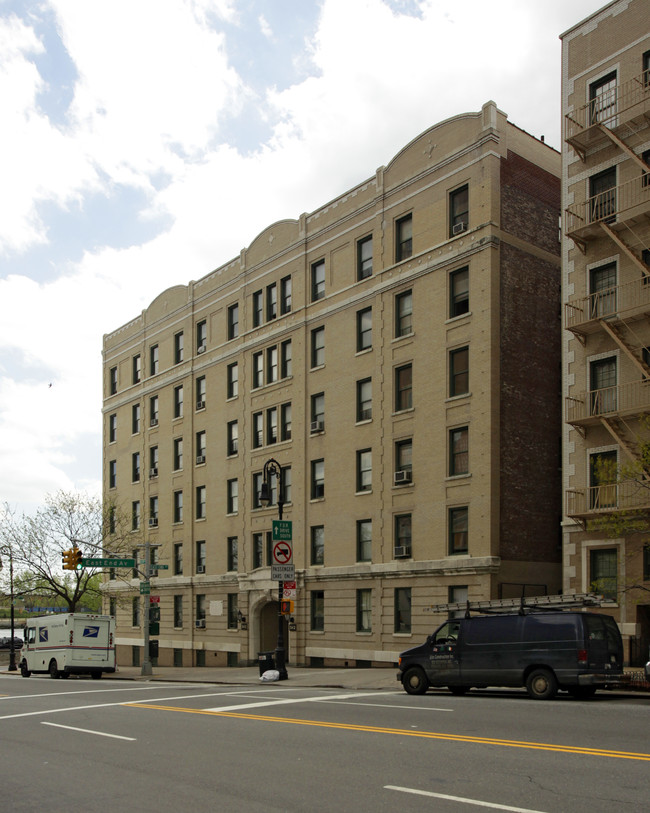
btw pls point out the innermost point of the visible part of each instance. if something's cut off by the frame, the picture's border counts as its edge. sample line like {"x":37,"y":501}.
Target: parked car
{"x":647,"y":670}
{"x":5,"y":643}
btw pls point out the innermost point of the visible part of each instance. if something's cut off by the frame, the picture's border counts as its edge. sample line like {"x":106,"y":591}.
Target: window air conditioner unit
{"x":317,"y":426}
{"x":200,"y":458}
{"x":153,"y":472}
{"x":200,"y":404}
{"x":153,"y":522}
{"x":200,"y":623}
{"x":402,"y":477}
{"x":153,"y":422}
{"x":200,"y":568}
{"x":459,"y":227}
{"x":402,"y":551}
{"x":201,"y":349}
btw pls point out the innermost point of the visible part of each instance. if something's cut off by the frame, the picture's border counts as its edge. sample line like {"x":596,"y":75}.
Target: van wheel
{"x":415,"y":681}
{"x":458,"y":690}
{"x":541,"y":684}
{"x":24,"y":671}
{"x":53,"y":670}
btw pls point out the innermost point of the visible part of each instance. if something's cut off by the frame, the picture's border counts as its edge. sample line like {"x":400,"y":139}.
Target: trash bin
{"x":266,"y":661}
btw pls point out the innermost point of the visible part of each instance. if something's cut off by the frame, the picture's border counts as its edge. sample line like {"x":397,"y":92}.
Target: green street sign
{"x":160,"y":567}
{"x":154,"y":628}
{"x":145,"y":588}
{"x":281,"y":530}
{"x":111,"y":562}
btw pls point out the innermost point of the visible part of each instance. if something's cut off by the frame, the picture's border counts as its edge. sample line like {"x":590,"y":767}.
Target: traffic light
{"x":68,"y":559}
{"x":286,"y":607}
{"x":76,"y":559}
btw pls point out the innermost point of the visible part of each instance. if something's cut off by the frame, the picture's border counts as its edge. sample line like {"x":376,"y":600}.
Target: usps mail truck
{"x":69,"y":644}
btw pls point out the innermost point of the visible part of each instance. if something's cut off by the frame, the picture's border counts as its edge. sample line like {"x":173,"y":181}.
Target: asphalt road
{"x":80,"y":745}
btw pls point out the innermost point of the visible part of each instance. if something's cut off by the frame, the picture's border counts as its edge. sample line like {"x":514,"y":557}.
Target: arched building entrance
{"x":268,"y":629}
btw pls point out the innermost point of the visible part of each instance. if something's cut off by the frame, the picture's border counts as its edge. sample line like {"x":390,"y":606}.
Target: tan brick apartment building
{"x":397,"y":351}
{"x":606,"y":283}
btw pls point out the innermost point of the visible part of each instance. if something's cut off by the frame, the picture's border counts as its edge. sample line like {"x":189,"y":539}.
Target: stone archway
{"x":268,"y":629}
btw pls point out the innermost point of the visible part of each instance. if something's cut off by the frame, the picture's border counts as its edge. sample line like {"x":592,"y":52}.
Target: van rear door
{"x":604,"y":644}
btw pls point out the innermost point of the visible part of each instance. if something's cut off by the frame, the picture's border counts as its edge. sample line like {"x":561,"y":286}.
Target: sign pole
{"x":146,"y":661}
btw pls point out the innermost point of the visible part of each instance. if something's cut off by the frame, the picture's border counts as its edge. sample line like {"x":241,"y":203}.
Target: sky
{"x":146,"y":142}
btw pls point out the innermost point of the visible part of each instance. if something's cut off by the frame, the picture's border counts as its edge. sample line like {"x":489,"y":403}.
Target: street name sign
{"x":160,"y":567}
{"x":281,"y":572}
{"x":111,"y":562}
{"x":145,"y":588}
{"x":281,"y":530}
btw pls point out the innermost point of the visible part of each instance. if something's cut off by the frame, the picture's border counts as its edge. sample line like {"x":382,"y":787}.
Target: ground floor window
{"x":402,"y":609}
{"x":603,"y":572}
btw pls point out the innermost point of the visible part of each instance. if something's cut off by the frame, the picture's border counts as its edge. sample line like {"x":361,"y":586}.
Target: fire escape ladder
{"x":617,"y":334}
{"x":617,"y":430}
{"x":624,"y":147}
{"x":643,"y":268}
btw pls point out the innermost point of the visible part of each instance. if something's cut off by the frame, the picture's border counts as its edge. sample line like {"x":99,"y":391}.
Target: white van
{"x":69,"y":644}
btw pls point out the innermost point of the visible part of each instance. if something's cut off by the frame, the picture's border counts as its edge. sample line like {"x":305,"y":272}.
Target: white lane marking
{"x":89,"y":731}
{"x":475,"y":802}
{"x":82,"y":691}
{"x":292,"y":701}
{"x":385,"y":705}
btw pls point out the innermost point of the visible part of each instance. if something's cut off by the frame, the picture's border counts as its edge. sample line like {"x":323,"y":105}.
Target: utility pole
{"x":146,"y":661}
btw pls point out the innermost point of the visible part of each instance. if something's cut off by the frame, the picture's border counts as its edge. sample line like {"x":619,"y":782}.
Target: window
{"x":257,"y":487}
{"x":403,"y":388}
{"x":364,"y":257}
{"x":178,"y":506}
{"x":271,"y":302}
{"x":364,"y":329}
{"x":178,"y":611}
{"x":200,"y":607}
{"x":258,"y":369}
{"x":318,"y":412}
{"x":153,"y":359}
{"x":258,"y":308}
{"x":177,"y":454}
{"x":364,"y":610}
{"x":233,"y":496}
{"x":458,"y":292}
{"x":285,"y":295}
{"x":603,"y":572}
{"x":271,"y":364}
{"x":233,"y":321}
{"x":200,"y":446}
{"x":232,"y":553}
{"x":137,"y":369}
{"x":200,"y":392}
{"x":459,"y":372}
{"x":402,"y":603}
{"x":112,"y":380}
{"x":602,"y":386}
{"x":135,"y":515}
{"x":285,"y":422}
{"x":201,"y":504}
{"x":458,"y":451}
{"x":112,"y":428}
{"x":232,"y":387}
{"x":201,"y":336}
{"x":272,"y":425}
{"x":317,"y":610}
{"x":403,"y":461}
{"x":178,"y":559}
{"x":232,"y":442}
{"x":111,"y":520}
{"x":317,"y":545}
{"x":403,"y":238}
{"x":364,"y":470}
{"x":457,"y":594}
{"x":317,"y":280}
{"x":364,"y":540}
{"x":318,"y":347}
{"x":458,"y":524}
{"x":135,"y":419}
{"x":317,"y":479}
{"x":178,"y":347}
{"x":153,"y":511}
{"x":112,"y":473}
{"x":645,"y":61}
{"x":602,"y":196}
{"x":603,"y":471}
{"x":135,"y":612}
{"x":404,"y":314}
{"x":364,"y":399}
{"x":233,"y":614}
{"x":258,"y":430}
{"x":135,"y":467}
{"x":458,"y":210}
{"x":285,"y":359}
{"x":403,"y":535}
{"x":258,"y":550}
{"x":200,"y":556}
{"x":602,"y":99}
{"x":153,"y":410}
{"x":646,"y":563}
{"x":178,"y":401}
{"x":645,"y":157}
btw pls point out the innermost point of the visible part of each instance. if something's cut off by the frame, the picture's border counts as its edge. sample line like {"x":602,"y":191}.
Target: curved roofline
{"x":272,"y":226}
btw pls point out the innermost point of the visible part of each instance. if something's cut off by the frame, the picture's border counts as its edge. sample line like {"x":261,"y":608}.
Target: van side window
{"x":550,"y":628}
{"x":496,"y":630}
{"x":447,"y":631}
{"x":30,"y":635}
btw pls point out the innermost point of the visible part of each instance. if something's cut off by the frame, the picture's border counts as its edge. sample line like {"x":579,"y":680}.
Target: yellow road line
{"x":432,"y":735}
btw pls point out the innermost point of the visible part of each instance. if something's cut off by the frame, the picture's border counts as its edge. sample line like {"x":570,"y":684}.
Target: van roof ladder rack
{"x":520,"y":604}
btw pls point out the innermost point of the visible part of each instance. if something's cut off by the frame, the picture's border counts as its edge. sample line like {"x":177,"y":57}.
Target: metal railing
{"x":608,"y":109}
{"x":606,"y":206}
{"x":629,"y":495}
{"x":611,"y":302}
{"x":634,"y":396}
